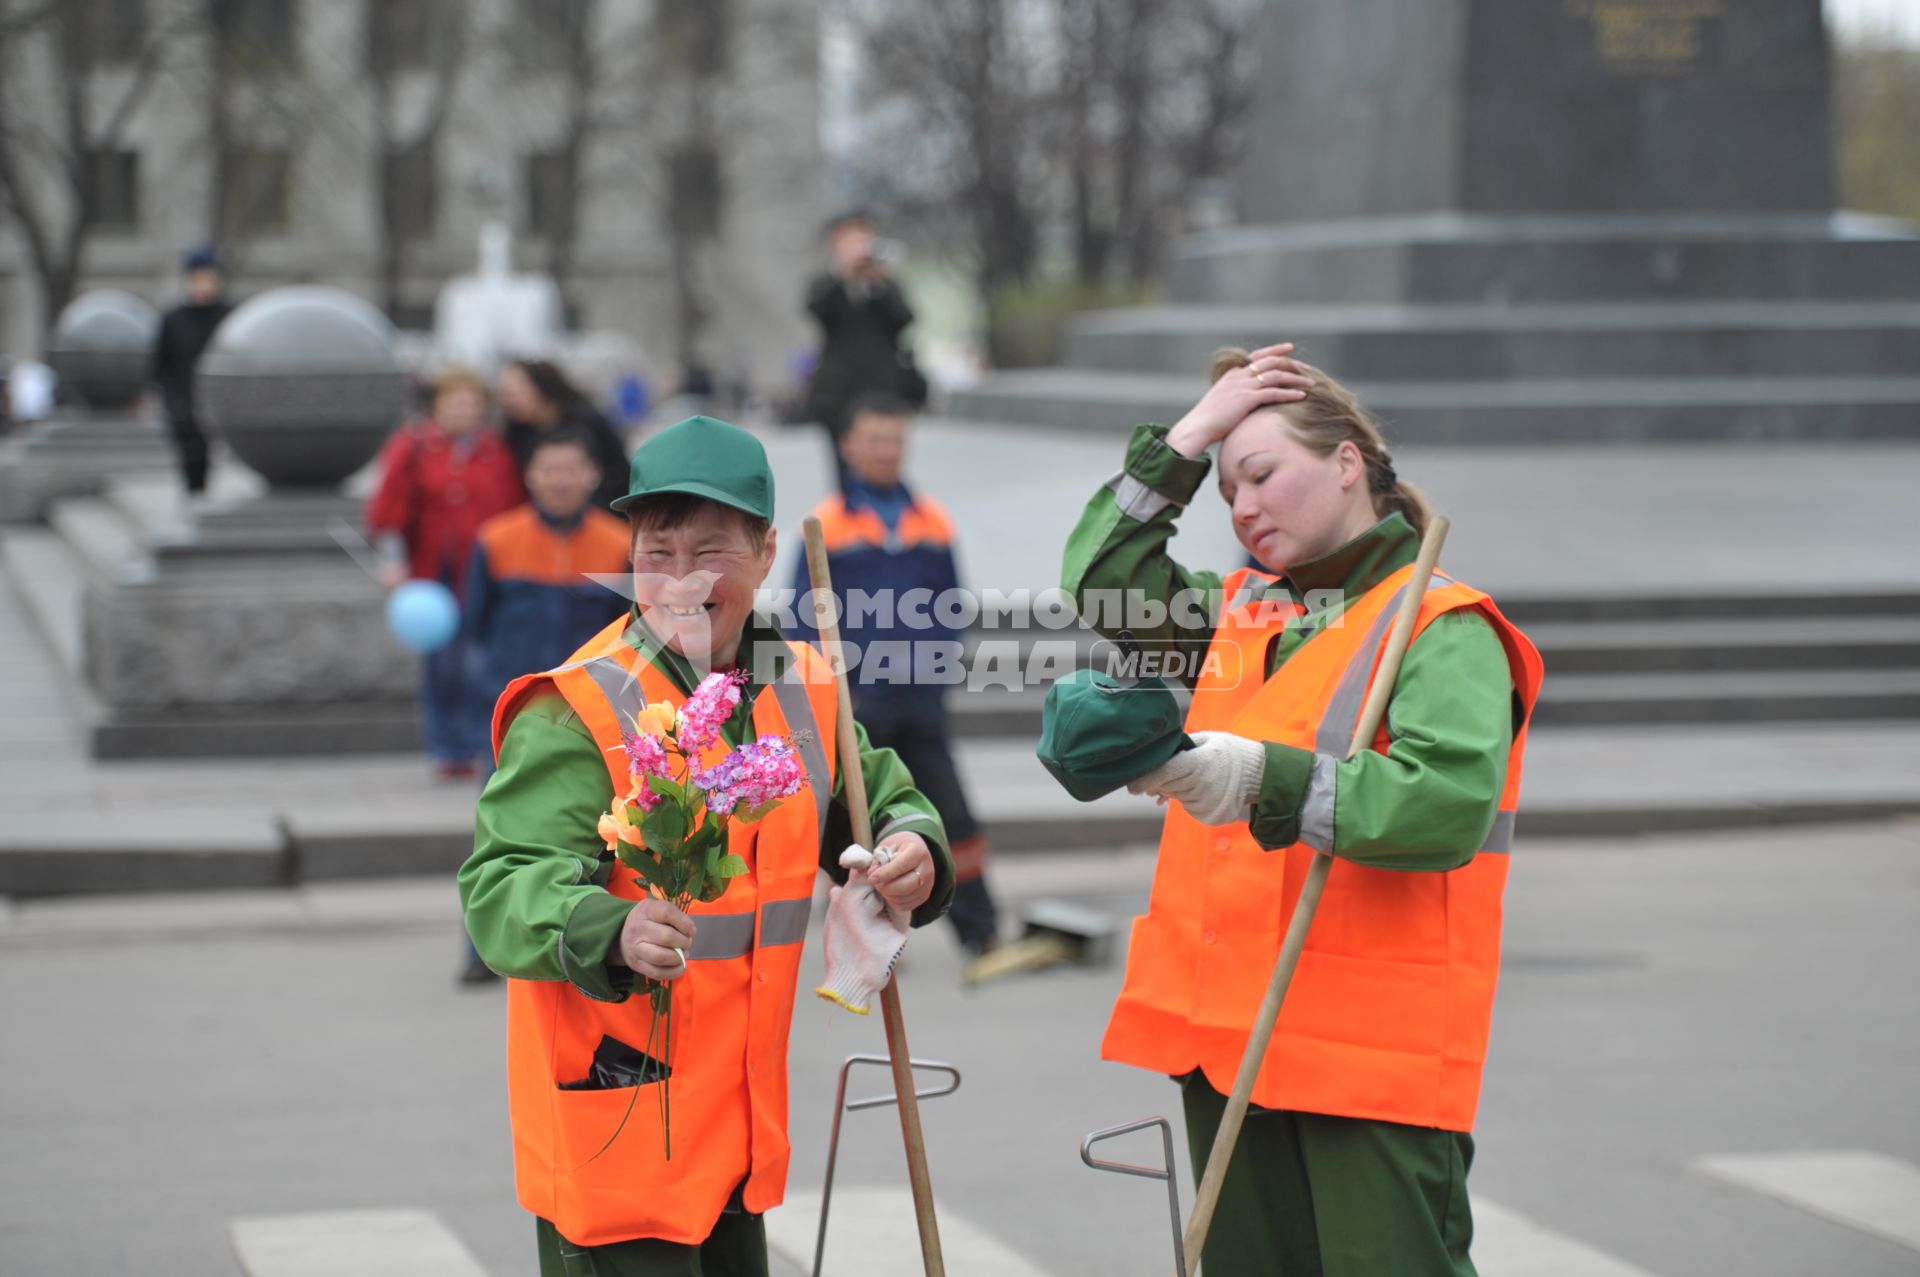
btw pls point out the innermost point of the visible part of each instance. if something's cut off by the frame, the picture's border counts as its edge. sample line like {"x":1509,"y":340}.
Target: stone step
{"x":1819,"y":633}
{"x":1829,"y":605}
{"x":1447,"y":258}
{"x":1499,"y":341}
{"x":50,"y":584}
{"x":1819,"y":642}
{"x":331,"y":728}
{"x":1647,"y":411}
{"x":1625,"y":696}
{"x":259,"y":823}
{"x":1579,"y":781}
{"x":1729,"y":696}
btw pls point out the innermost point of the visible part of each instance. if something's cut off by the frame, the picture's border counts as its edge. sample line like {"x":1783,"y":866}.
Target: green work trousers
{"x":737,"y":1247}
{"x":1308,"y":1195}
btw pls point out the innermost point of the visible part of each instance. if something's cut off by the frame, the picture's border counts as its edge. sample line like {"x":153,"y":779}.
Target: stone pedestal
{"x":73,"y":453}
{"x":256,"y":627}
{"x":1377,"y":107}
{"x":1532,"y":221}
{"x":101,"y":349}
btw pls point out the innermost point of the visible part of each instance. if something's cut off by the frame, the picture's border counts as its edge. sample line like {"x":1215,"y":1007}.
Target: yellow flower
{"x":655,"y":720}
{"x":615,"y":828}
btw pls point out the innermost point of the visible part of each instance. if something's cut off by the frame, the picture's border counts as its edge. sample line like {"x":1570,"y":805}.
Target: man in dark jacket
{"x":184,"y":333}
{"x":861,"y":313}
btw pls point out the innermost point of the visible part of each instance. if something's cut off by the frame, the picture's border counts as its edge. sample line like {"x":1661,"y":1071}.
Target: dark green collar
{"x":1360,"y":564}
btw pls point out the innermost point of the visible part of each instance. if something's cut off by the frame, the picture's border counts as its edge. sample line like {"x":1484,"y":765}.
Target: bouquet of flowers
{"x":671,"y":826}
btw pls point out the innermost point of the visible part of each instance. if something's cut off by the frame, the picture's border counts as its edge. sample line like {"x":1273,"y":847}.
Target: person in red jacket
{"x":440,"y":479}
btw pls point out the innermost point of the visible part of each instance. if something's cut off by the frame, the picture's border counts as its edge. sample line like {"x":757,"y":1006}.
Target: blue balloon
{"x":423,"y":615}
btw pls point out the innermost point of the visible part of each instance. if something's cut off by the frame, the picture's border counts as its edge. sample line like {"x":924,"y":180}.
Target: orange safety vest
{"x":731,"y":1012}
{"x":1390,"y":1007}
{"x":924,"y":522}
{"x":520,"y":545}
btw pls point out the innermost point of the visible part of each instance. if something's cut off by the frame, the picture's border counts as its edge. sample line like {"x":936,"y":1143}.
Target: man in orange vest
{"x":885,"y":542}
{"x":1353,"y":1160}
{"x":547,"y":906}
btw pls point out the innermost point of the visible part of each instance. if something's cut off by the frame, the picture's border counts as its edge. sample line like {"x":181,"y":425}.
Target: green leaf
{"x":730,"y":866}
{"x":668,"y":788}
{"x":752,"y":814}
{"x":708,"y":835}
{"x":640,"y":860}
{"x":664,"y":828}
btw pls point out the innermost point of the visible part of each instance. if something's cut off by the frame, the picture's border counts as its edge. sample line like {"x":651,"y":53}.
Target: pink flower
{"x":708,"y":709}
{"x":758,"y":774}
{"x":646,"y":756}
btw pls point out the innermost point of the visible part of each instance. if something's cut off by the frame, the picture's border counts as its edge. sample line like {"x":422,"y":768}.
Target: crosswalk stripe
{"x":366,"y":1243}
{"x":1862,"y":1189}
{"x":871,"y":1233}
{"x":1508,"y":1244}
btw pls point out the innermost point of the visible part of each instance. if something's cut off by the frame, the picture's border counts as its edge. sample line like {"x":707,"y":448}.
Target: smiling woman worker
{"x":1354,"y":1159}
{"x":546,"y":907}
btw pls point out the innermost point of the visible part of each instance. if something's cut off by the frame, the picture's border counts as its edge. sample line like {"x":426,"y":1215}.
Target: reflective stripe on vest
{"x":1342,"y":714}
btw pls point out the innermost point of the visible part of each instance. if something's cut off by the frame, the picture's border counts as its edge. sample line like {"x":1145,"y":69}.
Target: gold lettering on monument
{"x":1646,"y":37}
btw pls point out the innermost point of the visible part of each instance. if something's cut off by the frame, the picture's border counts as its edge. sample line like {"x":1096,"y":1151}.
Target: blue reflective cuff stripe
{"x":1317,"y":809}
{"x":1499,"y":839}
{"x":901,"y":822}
{"x":1135,"y":499}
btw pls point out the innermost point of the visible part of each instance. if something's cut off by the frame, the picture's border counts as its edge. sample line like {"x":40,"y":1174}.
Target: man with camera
{"x":861,"y":312}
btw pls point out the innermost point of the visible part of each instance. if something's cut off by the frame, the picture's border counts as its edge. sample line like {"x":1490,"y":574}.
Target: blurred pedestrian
{"x":440,"y":479}
{"x":529,"y":600}
{"x":531,"y":596}
{"x":184,"y":333}
{"x":862,"y":314}
{"x":29,"y":392}
{"x":536,"y":396}
{"x":884,"y":540}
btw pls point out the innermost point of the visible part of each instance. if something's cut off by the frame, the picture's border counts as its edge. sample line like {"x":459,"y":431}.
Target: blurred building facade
{"x":660,"y":157}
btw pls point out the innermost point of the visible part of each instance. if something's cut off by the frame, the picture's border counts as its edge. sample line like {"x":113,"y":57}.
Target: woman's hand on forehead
{"x":1269,"y":379}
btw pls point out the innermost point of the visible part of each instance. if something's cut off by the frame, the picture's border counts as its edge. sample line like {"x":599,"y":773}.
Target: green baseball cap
{"x":703,"y":457}
{"x":1098,"y":732}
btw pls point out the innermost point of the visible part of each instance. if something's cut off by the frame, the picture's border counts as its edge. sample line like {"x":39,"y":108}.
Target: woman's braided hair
{"x":1330,"y":416}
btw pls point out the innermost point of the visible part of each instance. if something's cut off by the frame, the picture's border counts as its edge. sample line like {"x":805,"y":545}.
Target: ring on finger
{"x":1260,"y":377}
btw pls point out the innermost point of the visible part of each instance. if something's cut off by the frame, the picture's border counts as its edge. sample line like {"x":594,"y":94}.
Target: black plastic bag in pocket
{"x":617,"y":1066}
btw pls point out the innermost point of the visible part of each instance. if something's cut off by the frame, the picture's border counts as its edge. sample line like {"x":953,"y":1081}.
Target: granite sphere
{"x":102,"y":347}
{"x":304,"y":384}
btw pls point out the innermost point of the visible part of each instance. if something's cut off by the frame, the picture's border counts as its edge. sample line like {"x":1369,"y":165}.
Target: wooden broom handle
{"x":855,"y":783}
{"x":1371,"y":712}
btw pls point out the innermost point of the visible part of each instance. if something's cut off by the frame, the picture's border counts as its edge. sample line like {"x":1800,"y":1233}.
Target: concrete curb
{"x":309,"y":850}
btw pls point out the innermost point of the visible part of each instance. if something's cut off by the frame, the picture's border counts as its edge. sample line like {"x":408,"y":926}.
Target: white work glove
{"x":864,"y":934}
{"x":1217,"y":780}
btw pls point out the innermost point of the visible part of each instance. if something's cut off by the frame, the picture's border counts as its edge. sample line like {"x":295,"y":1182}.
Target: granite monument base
{"x":1478,"y":329}
{"x":247,"y":630}
{"x":72,"y":454}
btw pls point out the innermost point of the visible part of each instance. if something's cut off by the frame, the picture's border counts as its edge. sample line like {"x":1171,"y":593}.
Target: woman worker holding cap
{"x":1354,"y":1159}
